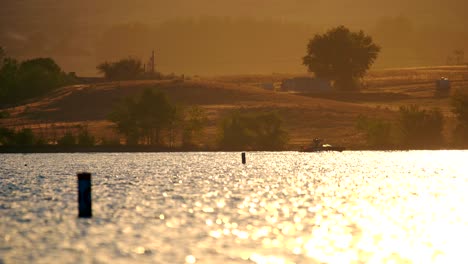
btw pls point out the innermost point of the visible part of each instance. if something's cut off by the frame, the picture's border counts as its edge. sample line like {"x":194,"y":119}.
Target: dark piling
{"x":84,"y":195}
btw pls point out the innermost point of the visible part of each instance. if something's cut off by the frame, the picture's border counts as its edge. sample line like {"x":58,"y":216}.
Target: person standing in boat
{"x":317,"y":142}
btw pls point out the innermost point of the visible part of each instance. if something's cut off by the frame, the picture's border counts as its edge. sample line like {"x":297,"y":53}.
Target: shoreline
{"x":156,"y":149}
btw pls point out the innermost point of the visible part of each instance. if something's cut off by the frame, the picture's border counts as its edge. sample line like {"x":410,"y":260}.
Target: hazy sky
{"x":64,"y":28}
{"x":313,"y":11}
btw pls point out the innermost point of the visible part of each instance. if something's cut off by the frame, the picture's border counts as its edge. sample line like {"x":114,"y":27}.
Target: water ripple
{"x":288,"y":207}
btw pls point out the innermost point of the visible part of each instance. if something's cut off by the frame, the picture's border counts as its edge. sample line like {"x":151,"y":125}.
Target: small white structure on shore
{"x":268,"y":86}
{"x":306,"y":85}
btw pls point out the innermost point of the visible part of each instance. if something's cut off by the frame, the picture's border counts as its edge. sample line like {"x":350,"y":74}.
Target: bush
{"x":378,"y":131}
{"x":257,"y":131}
{"x":420,"y":128}
{"x":110,"y":142}
{"x":7,"y":136}
{"x":460,"y":109}
{"x":460,"y":135}
{"x":67,"y":140}
{"x":84,"y":138}
{"x":193,"y":124}
{"x":4,"y":114}
{"x":24,"y":137}
{"x":124,"y":69}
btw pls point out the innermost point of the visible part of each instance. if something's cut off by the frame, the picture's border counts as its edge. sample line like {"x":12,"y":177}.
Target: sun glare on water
{"x":350,"y":207}
{"x":411,"y":216}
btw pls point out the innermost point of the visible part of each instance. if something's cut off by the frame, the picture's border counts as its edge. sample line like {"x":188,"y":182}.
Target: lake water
{"x":281,"y":207}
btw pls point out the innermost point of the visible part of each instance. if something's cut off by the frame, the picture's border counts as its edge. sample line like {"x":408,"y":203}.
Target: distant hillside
{"x":306,"y":116}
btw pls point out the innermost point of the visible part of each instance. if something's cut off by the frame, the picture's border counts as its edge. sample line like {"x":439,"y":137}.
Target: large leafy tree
{"x":341,"y":56}
{"x":41,"y":75}
{"x":143,"y":120}
{"x":30,"y":78}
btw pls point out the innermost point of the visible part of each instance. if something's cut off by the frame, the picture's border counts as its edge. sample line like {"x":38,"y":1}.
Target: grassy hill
{"x":330,"y":116}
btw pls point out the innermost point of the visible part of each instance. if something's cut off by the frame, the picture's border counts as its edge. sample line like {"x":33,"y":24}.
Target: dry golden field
{"x":331,"y":116}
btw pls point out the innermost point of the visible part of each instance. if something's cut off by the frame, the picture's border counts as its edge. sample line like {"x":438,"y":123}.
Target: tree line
{"x":151,"y":119}
{"x":27,"y":137}
{"x":416,"y":127}
{"x":30,"y":78}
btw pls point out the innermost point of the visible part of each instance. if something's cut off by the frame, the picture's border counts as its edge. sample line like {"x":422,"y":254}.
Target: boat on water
{"x":317,"y":146}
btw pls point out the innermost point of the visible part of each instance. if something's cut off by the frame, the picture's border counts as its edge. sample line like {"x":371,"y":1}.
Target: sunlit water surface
{"x":289,"y":207}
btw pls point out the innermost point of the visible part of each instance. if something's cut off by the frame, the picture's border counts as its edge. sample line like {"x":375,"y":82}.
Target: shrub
{"x":420,"y":128}
{"x":193,"y":125}
{"x":258,"y":131}
{"x":25,"y":137}
{"x":84,"y":138}
{"x":124,"y":69}
{"x":110,"y":142}
{"x":7,"y":136}
{"x":67,"y":140}
{"x":378,"y":131}
{"x":460,"y":109}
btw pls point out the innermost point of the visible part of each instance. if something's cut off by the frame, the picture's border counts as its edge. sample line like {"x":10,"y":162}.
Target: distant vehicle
{"x":442,"y":87}
{"x":443,"y":83}
{"x":317,"y":146}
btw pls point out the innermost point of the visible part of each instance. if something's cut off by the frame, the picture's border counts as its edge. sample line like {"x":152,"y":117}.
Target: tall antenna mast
{"x":152,"y":62}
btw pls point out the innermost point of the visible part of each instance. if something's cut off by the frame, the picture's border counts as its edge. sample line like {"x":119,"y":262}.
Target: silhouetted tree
{"x":67,"y":140}
{"x":40,"y":75}
{"x":124,"y":117}
{"x":7,"y":136}
{"x":124,"y":69}
{"x":154,"y":113}
{"x":259,"y":131}
{"x":378,"y":131}
{"x":460,"y":109}
{"x":25,"y":137}
{"x":4,"y":114}
{"x":144,"y":118}
{"x":30,"y":78}
{"x":9,"y":83}
{"x":85,"y":138}
{"x":420,"y":128}
{"x":193,"y":125}
{"x":2,"y":55}
{"x":460,"y":106}
{"x":341,"y":55}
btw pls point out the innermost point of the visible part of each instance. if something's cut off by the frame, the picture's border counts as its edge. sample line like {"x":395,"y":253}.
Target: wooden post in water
{"x":84,"y":195}
{"x":243,"y":158}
